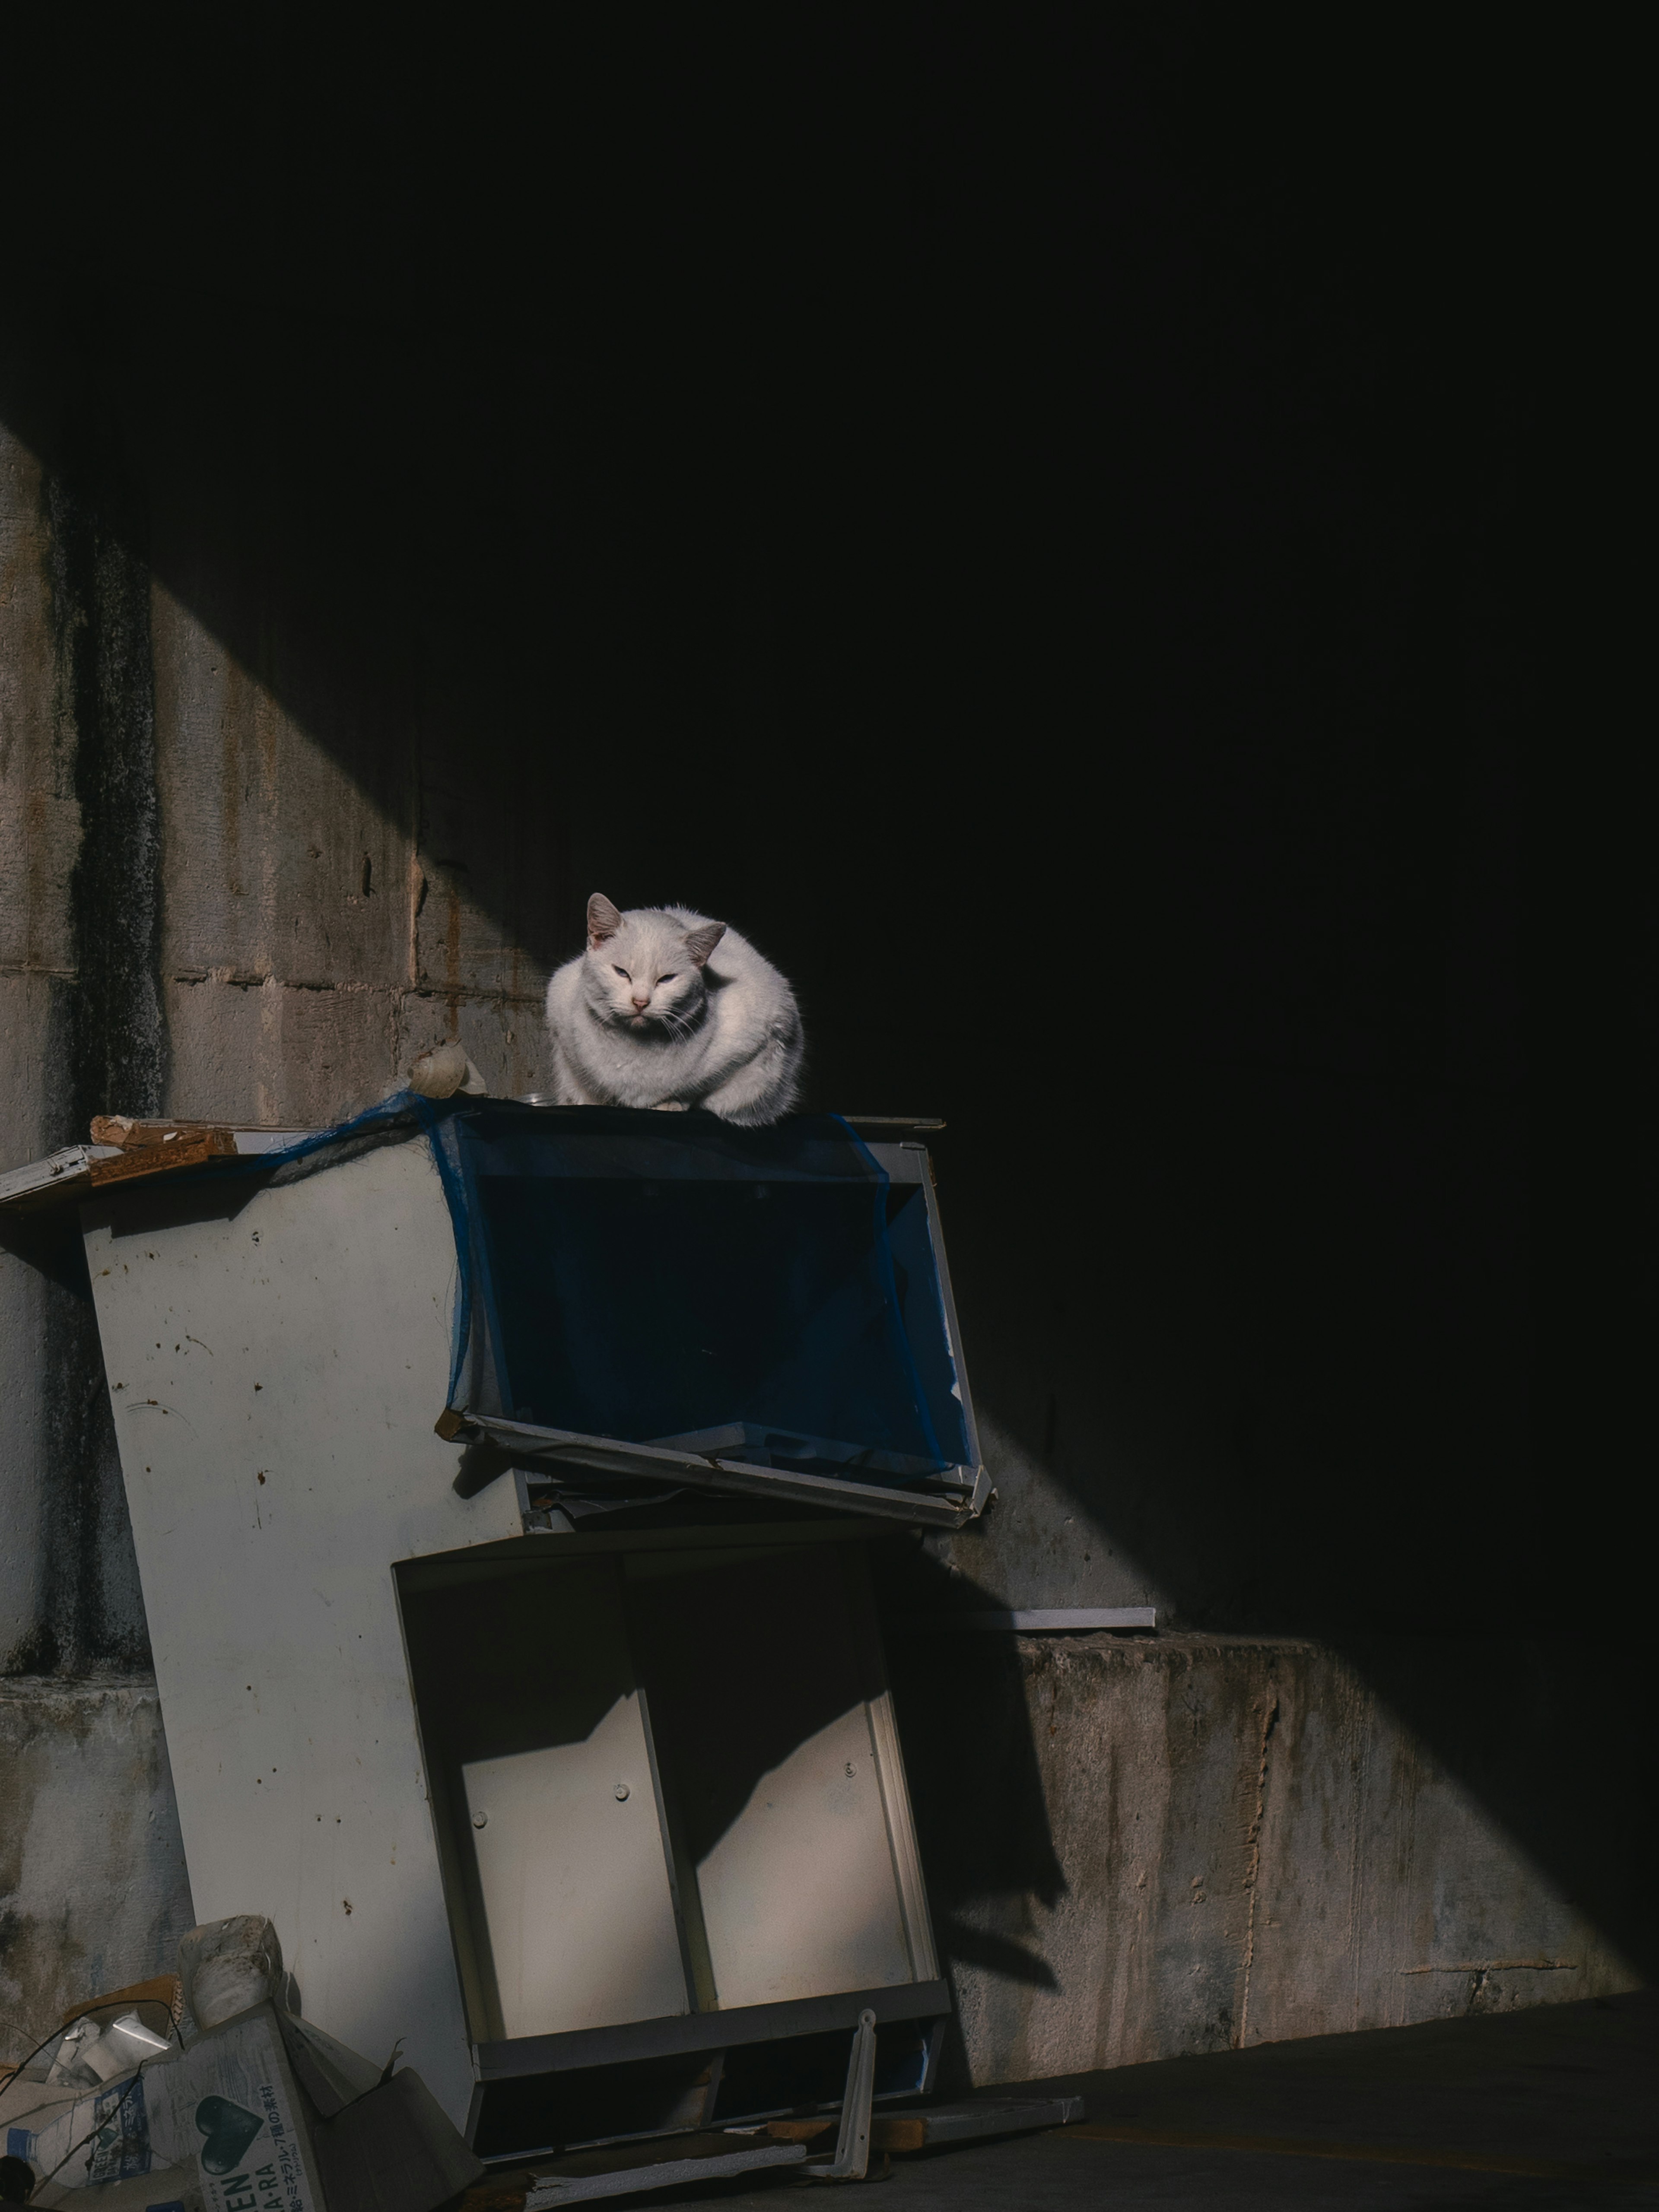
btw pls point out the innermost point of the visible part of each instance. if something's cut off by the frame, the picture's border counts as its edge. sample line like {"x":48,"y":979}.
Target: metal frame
{"x":950,"y":1506}
{"x":684,"y":2033}
{"x":948,"y":1500}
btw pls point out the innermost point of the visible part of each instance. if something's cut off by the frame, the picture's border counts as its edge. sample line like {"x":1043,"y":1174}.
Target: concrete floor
{"x":1570,"y":2088}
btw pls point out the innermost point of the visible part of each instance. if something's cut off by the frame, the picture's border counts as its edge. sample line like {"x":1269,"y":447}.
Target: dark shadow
{"x":1034,"y":527}
{"x":481,"y":1464}
{"x":745,"y":1657}
{"x":976,"y":1786}
{"x":997,"y":1954}
{"x":50,"y":1241}
{"x":500,"y":1669}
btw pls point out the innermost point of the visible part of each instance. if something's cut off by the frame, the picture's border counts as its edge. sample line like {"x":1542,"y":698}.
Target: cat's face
{"x":644,"y":971}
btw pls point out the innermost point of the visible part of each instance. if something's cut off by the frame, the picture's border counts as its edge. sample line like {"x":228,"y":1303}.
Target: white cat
{"x":666,"y":1008}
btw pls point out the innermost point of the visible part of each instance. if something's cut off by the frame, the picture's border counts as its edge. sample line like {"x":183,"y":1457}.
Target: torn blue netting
{"x":758,"y":1295}
{"x":761,"y":1294}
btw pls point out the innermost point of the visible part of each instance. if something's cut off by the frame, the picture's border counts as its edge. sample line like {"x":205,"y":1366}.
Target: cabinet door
{"x":552,"y":1799}
{"x":764,"y":1730}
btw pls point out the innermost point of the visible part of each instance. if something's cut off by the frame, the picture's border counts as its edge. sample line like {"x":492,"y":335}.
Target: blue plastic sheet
{"x":765,"y":1294}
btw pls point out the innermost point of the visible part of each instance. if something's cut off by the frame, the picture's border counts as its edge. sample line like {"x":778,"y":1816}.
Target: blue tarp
{"x":766,"y":1294}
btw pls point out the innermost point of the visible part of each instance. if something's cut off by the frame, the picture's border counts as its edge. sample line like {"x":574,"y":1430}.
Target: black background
{"x":1040,"y":522}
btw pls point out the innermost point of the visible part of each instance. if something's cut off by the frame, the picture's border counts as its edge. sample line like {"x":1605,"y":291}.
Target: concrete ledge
{"x":1139,"y":1849}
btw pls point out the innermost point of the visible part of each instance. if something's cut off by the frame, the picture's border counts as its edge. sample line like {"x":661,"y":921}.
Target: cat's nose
{"x":641,"y":1003}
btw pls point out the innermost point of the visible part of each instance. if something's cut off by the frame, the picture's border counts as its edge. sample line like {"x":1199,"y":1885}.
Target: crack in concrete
{"x":1501,"y":1966}
{"x":1253,"y":1868}
{"x":248,"y":980}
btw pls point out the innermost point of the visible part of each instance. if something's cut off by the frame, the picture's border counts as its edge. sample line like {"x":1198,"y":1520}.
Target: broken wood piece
{"x":904,"y":2132}
{"x":180,"y":1148}
{"x":900,"y":2134}
{"x":127,"y":1134}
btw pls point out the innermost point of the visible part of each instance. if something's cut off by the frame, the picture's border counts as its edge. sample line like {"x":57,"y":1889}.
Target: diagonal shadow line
{"x":997,"y":1954}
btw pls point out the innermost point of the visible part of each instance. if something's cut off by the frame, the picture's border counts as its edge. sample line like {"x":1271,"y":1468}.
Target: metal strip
{"x":947,"y":1299}
{"x":566,"y":1448}
{"x":710,"y":2030}
{"x":889,"y":1770}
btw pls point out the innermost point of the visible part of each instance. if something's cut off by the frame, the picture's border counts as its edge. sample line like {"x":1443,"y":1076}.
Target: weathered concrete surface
{"x":313,"y":939}
{"x":93,"y":1892}
{"x":80,"y":1020}
{"x":201,"y":910}
{"x":1237,"y":1843}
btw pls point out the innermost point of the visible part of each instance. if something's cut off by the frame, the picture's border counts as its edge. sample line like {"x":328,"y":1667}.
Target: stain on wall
{"x":93,"y":1889}
{"x":99,"y":601}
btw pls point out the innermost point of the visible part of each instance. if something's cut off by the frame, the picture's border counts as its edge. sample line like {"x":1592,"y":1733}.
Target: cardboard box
{"x":231,"y":2107}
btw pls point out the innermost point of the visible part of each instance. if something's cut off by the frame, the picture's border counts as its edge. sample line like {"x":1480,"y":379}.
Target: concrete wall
{"x":1207,"y":1842}
{"x":93,"y":1890}
{"x":202,"y":912}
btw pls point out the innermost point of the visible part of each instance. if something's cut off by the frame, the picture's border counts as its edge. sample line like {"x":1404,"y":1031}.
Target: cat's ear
{"x":700,"y":942}
{"x":603,"y":920}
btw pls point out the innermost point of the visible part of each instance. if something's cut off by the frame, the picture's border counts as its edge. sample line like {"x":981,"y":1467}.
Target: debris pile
{"x":207,"y":2092}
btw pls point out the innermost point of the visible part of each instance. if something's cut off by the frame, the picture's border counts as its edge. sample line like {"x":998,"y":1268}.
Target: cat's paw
{"x":669,"y":1106}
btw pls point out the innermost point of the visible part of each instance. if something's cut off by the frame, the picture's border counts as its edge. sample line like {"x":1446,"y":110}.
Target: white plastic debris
{"x":442,"y":1072}
{"x":228,"y":1966}
{"x":70,"y":2063}
{"x":124,"y":2044}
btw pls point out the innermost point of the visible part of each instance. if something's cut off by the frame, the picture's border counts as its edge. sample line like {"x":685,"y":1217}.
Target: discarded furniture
{"x":555,"y":1738}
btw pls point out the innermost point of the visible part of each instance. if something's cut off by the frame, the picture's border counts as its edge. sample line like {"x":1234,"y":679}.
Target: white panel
{"x":274,"y":1372}
{"x":575,"y":1882}
{"x":799,"y":1895}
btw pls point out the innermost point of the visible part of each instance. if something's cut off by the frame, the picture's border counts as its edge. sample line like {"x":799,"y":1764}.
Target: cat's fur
{"x":666,"y":1008}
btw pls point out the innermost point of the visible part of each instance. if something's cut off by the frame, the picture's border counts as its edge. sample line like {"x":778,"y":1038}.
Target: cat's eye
{"x":668,"y":977}
{"x":623,"y":972}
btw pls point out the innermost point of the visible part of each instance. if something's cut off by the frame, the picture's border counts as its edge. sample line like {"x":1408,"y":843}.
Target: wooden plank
{"x":901,"y":2135}
{"x":950,"y":2123}
{"x":183,"y":1151}
{"x":121,"y":1131}
{"x":988,"y":2116}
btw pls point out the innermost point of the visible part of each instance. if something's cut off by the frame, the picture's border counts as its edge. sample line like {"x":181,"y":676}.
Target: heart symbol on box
{"x":230,"y":2130}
